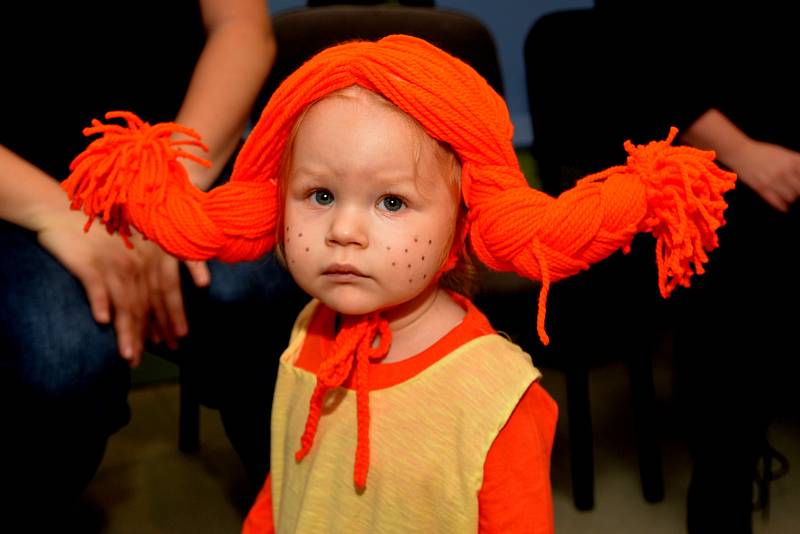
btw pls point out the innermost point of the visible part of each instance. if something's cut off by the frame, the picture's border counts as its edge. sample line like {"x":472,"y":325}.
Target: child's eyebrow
{"x":305,"y":172}
{"x":395,"y":180}
{"x":386,"y":180}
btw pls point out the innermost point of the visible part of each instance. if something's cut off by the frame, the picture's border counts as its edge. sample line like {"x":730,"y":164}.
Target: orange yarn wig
{"x":132,"y":176}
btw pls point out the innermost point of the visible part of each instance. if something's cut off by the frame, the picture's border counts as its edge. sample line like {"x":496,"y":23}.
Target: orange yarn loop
{"x":353,"y":344}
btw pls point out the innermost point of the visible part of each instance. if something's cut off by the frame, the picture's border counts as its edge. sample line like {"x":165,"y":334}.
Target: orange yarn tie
{"x":353,"y":344}
{"x":128,"y":168}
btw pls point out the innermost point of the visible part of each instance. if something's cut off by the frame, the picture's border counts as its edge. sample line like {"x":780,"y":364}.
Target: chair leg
{"x":580,"y":438}
{"x":645,"y":421}
{"x":189,"y":417}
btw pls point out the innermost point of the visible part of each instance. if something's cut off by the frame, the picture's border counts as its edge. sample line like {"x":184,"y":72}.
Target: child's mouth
{"x":343,"y":272}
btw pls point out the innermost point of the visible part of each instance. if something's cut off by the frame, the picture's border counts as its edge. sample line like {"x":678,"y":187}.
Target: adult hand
{"x":771,"y":170}
{"x":112,"y":275}
{"x":164,"y":291}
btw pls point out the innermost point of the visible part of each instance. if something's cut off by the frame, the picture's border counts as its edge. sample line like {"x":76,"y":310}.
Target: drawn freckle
{"x":423,"y":258}
{"x":409,"y":280}
{"x":415,"y":240}
{"x":424,"y":276}
{"x":392,"y":264}
{"x":429,"y":241}
{"x":409,"y":265}
{"x":306,"y":249}
{"x":300,"y":234}
{"x":406,"y":250}
{"x":388,"y":248}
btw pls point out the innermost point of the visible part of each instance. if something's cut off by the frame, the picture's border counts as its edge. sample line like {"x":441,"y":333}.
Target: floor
{"x":145,"y":485}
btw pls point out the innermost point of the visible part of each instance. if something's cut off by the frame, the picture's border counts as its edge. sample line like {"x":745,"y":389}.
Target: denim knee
{"x":50,"y":346}
{"x":238,"y":327}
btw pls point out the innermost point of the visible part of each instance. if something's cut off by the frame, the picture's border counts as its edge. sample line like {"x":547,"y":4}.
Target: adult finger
{"x":173,"y":298}
{"x":794,"y":180}
{"x":785,"y":190}
{"x":169,"y":274}
{"x":200,"y":273}
{"x":153,"y":330}
{"x":158,"y":306}
{"x":97,"y":295}
{"x":129,"y":300}
{"x":774,"y":199}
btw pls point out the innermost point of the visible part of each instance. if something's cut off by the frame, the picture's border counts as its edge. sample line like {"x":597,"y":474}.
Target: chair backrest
{"x":561,"y":67}
{"x":302,"y":33}
{"x":596,"y":79}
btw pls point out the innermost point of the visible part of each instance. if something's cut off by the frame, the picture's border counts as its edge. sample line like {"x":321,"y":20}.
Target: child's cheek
{"x":414,"y":260}
{"x":295,"y":244}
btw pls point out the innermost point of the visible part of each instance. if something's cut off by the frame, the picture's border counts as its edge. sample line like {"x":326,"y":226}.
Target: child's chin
{"x":353,"y":309}
{"x":350,"y":306}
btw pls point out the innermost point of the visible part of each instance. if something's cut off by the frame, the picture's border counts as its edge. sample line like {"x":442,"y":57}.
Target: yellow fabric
{"x":429,"y":438}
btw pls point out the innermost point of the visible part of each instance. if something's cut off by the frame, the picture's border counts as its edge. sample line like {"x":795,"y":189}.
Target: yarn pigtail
{"x":128,"y":168}
{"x":132,"y":176}
{"x":671,"y":192}
{"x":684,"y":206}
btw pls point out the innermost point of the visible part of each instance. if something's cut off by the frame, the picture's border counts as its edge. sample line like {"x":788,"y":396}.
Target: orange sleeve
{"x":516,"y":497}
{"x":259,"y":519}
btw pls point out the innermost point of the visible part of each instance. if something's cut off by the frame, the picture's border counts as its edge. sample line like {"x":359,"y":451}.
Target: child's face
{"x":369,"y":215}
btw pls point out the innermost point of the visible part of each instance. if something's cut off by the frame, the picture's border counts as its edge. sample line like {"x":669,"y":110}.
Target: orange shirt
{"x":515,"y":496}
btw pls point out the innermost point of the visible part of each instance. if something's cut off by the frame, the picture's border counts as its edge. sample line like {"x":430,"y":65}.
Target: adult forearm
{"x":235,"y":61}
{"x":716,"y":132}
{"x":27,"y":195}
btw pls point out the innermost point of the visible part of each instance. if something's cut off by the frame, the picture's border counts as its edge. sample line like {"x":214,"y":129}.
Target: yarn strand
{"x":352,"y":352}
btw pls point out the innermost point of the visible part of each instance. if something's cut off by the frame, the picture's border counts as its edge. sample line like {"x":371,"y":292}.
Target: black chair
{"x":302,"y":33}
{"x":613,"y":312}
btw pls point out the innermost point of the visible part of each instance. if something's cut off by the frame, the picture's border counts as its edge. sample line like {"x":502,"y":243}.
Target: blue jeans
{"x":63,"y":385}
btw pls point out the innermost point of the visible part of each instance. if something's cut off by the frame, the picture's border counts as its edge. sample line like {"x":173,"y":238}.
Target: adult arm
{"x":232,"y":67}
{"x":111,"y":275}
{"x":771,"y":170}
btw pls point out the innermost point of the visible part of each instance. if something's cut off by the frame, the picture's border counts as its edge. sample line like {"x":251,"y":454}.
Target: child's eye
{"x":323,"y":197}
{"x":391,"y":203}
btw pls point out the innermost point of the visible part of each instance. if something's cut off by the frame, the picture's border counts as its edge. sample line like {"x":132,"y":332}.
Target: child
{"x":369,"y":167}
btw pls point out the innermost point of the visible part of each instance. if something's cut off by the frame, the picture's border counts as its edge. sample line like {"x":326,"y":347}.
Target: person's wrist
{"x":44,"y":218}
{"x":199,"y":175}
{"x":736,"y":152}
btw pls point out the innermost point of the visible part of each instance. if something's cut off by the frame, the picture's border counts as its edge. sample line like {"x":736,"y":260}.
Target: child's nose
{"x":348,"y":227}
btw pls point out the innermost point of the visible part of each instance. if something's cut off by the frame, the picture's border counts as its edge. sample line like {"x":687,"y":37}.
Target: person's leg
{"x":727,"y":342}
{"x":238,"y":328}
{"x":63,"y":387}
